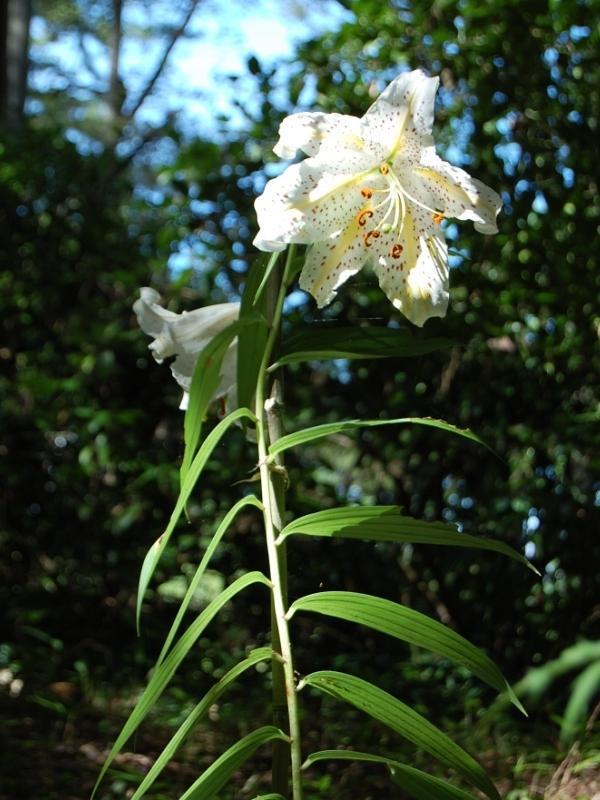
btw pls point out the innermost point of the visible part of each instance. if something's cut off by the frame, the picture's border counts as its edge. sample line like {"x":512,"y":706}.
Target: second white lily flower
{"x":185,"y":335}
{"x":373,"y":189}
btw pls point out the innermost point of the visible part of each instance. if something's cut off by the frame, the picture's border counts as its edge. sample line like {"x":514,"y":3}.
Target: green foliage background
{"x":91,"y":433}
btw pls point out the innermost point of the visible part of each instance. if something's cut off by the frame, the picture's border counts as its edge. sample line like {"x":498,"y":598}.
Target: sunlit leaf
{"x":409,"y":626}
{"x":331,"y":428}
{"x":219,"y":772}
{"x":417,"y":783}
{"x":249,"y":500}
{"x":154,"y":553}
{"x":325,"y":342}
{"x":389,"y":524}
{"x":163,"y":673}
{"x":404,"y":720}
{"x":211,"y":697}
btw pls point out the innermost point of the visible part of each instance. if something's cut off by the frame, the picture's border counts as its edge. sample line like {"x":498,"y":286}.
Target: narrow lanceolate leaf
{"x":584,"y":688}
{"x":211,"y":697}
{"x":269,"y":797}
{"x":205,"y":381}
{"x":324,"y":342}
{"x":330,"y":428}
{"x":217,"y":775}
{"x":250,"y":500}
{"x":163,"y":674}
{"x":154,"y":553}
{"x":417,"y":783}
{"x":269,"y":266}
{"x":389,"y":524}
{"x":253,"y":334}
{"x":409,"y":626}
{"x":404,"y":720}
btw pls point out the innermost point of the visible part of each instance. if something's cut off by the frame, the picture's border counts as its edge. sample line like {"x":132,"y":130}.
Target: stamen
{"x":403,"y":193}
{"x":396,"y":251}
{"x":390,"y":200}
{"x":437,"y":252}
{"x":384,"y":169}
{"x":367,"y":193}
{"x":402,"y":213}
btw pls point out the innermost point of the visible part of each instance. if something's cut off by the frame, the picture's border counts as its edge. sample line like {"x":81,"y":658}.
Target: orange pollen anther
{"x":370,"y":235}
{"x":396,"y":251}
{"x":437,"y":218}
{"x":384,"y":169}
{"x":367,"y":193}
{"x":362,"y":217}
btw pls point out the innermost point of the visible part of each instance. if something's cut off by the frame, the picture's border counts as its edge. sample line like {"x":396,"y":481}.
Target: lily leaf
{"x":253,"y":336}
{"x":219,"y":772}
{"x":325,"y":342}
{"x":210,"y":550}
{"x":205,"y":381}
{"x":417,"y":783}
{"x":155,"y":552}
{"x":211,"y":697}
{"x":163,"y":673}
{"x":267,"y":270}
{"x":409,"y":626}
{"x":330,"y":428}
{"x":389,"y":524}
{"x":404,"y":720}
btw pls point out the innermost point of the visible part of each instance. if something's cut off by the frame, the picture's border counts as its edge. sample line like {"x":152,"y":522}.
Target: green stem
{"x":268,"y":428}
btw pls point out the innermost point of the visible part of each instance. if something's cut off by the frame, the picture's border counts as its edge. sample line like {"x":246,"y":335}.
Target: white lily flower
{"x":185,"y":335}
{"x":373,"y":189}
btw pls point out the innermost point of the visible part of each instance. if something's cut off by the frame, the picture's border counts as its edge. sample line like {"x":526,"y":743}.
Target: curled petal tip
{"x":267,"y":245}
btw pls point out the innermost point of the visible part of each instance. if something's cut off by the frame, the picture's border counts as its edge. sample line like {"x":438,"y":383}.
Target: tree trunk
{"x":15,"y":16}
{"x":116,"y":92}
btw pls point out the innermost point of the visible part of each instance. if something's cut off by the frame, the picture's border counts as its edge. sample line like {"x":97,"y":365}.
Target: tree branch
{"x":177,"y":33}
{"x":86,"y":56}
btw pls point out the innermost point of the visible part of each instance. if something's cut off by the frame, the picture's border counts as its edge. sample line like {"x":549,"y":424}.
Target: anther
{"x":384,"y":169}
{"x":370,"y":235}
{"x":367,"y":193}
{"x":437,"y":218}
{"x":396,"y":251}
{"x":362,"y":217}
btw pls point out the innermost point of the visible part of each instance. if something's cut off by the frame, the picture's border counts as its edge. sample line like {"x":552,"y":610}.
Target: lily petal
{"x":188,"y":332}
{"x":401,"y":116}
{"x":311,"y":201}
{"x":412,"y":268}
{"x":310,"y":132}
{"x":150,"y":314}
{"x":329,"y":264}
{"x":454,"y":193}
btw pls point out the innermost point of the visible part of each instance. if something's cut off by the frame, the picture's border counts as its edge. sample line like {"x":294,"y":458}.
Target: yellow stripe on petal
{"x":330,"y":263}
